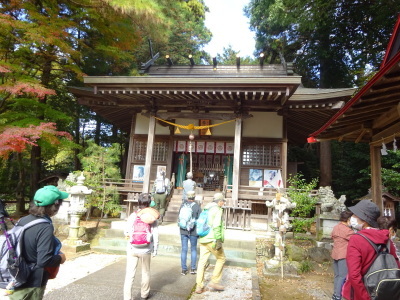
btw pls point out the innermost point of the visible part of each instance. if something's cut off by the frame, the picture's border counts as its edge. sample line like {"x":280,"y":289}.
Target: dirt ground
{"x":315,"y":284}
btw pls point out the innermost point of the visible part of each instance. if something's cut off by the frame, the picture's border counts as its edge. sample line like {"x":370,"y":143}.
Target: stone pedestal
{"x":73,"y":243}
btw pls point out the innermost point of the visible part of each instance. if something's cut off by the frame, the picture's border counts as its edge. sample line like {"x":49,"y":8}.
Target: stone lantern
{"x":76,"y":209}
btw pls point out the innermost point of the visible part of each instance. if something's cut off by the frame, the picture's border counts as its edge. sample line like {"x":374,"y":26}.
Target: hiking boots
{"x":184,"y":272}
{"x":193,"y":271}
{"x":216,"y":286}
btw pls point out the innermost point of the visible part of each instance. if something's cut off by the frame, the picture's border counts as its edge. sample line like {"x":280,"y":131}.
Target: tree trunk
{"x":325,"y":164}
{"x":19,"y":190}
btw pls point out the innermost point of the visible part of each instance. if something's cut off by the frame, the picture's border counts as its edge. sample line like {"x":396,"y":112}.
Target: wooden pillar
{"x":149,"y":154}
{"x":325,"y":160}
{"x":170,"y":152}
{"x":376,"y":177}
{"x":284,"y":150}
{"x":236,"y":161}
{"x":129,"y":167}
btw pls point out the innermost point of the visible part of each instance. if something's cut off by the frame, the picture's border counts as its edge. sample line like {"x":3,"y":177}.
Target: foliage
{"x":229,"y":56}
{"x":391,"y":172}
{"x":334,"y":43}
{"x":100,"y":163}
{"x":350,"y":170}
{"x":16,"y":139}
{"x":306,"y":266}
{"x":299,"y":193}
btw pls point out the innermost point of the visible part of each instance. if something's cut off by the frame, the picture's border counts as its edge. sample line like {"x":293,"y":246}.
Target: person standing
{"x":341,"y":234}
{"x":360,"y":254}
{"x":189,"y":235}
{"x":212,"y":244}
{"x":39,"y":243}
{"x":142,"y":253}
{"x":161,"y":190}
{"x":189,"y":185}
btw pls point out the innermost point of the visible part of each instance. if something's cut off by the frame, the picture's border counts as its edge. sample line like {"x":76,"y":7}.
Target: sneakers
{"x":193,"y":271}
{"x":216,"y":286}
{"x":199,"y":290}
{"x":184,"y":272}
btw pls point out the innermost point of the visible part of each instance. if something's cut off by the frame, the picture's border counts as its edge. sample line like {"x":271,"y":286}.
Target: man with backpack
{"x":362,"y":252}
{"x":211,"y":243}
{"x":161,"y":190}
{"x":39,"y":243}
{"x":188,"y":214}
{"x":142,"y":234}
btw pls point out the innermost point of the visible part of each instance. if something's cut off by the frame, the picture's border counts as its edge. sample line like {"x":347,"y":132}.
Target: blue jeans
{"x":193,"y":250}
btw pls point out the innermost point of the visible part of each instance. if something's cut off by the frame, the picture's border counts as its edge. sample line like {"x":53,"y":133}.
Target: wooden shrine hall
{"x":242,"y":119}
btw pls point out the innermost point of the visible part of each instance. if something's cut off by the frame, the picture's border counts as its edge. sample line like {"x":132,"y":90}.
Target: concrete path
{"x":107,"y":283}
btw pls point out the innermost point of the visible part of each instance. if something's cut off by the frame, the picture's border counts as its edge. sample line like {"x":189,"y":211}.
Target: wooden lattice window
{"x":160,"y":151}
{"x":262,"y":155}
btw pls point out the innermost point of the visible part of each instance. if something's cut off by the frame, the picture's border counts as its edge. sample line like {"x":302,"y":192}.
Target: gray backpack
{"x":14,"y":269}
{"x":382,"y":279}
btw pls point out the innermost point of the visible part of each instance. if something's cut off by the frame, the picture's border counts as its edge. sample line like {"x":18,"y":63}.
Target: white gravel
{"x":237,"y":283}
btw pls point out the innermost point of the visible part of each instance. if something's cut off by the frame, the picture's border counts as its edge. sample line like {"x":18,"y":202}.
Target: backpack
{"x":14,"y":270}
{"x":382,"y":279}
{"x":160,"y":186}
{"x":185,"y":218}
{"x":202,"y":227}
{"x":141,"y":235}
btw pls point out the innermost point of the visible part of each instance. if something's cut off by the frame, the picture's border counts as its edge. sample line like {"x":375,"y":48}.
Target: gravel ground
{"x":237,"y":282}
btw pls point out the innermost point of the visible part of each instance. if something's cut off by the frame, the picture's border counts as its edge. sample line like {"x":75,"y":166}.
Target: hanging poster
{"x":220,"y":147}
{"x":209,"y":159}
{"x":273,"y":179}
{"x":138,"y":173}
{"x":229,"y":148}
{"x":161,"y":169}
{"x":210,"y":147}
{"x":200,"y":147}
{"x":217,"y":159}
{"x":181,"y":146}
{"x":256,"y":177}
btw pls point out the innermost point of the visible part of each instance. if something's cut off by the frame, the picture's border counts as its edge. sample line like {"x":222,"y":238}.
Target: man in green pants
{"x":161,"y":189}
{"x":212,"y":244}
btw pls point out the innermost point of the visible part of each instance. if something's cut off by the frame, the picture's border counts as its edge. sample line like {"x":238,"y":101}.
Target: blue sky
{"x":229,"y":27}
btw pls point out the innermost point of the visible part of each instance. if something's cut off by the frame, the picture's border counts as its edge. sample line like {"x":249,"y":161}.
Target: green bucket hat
{"x":48,"y":195}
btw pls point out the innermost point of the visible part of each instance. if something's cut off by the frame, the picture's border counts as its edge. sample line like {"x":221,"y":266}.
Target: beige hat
{"x":219,"y":197}
{"x":191,"y":194}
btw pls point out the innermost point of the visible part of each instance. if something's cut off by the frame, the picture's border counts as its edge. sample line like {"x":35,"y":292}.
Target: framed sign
{"x":255,"y":177}
{"x":138,"y":173}
{"x":204,"y":123}
{"x":161,"y":169}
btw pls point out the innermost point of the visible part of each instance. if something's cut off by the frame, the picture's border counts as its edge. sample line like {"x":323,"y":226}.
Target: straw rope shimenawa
{"x":192,"y":126}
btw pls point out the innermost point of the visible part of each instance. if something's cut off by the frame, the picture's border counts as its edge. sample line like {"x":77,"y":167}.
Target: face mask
{"x":354,"y":224}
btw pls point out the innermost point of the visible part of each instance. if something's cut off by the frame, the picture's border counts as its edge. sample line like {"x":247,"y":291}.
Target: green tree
{"x":100,"y":163}
{"x":333,"y":43}
{"x":299,"y":192}
{"x":391,"y":172}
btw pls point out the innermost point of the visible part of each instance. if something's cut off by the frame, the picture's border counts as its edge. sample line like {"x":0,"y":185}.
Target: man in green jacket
{"x":212,"y":244}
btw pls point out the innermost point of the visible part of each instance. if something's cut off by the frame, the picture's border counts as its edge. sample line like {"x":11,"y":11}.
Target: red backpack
{"x":141,"y":233}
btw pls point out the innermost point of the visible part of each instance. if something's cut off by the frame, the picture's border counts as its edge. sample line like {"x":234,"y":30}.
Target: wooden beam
{"x":388,"y":133}
{"x":199,"y":116}
{"x":376,"y":179}
{"x":388,"y":117}
{"x":236,"y":161}
{"x":149,"y":155}
{"x":129,"y":166}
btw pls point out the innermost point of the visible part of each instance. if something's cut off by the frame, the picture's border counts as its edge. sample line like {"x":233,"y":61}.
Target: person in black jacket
{"x":191,"y":236}
{"x":39,"y":243}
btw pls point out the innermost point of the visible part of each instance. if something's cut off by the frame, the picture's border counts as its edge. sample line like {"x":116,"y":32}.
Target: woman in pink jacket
{"x":341,"y":234}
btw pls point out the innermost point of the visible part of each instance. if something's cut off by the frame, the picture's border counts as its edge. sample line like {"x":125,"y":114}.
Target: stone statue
{"x":280,"y":221}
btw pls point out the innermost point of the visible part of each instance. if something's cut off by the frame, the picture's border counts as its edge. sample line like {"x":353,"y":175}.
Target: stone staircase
{"x":239,"y":246}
